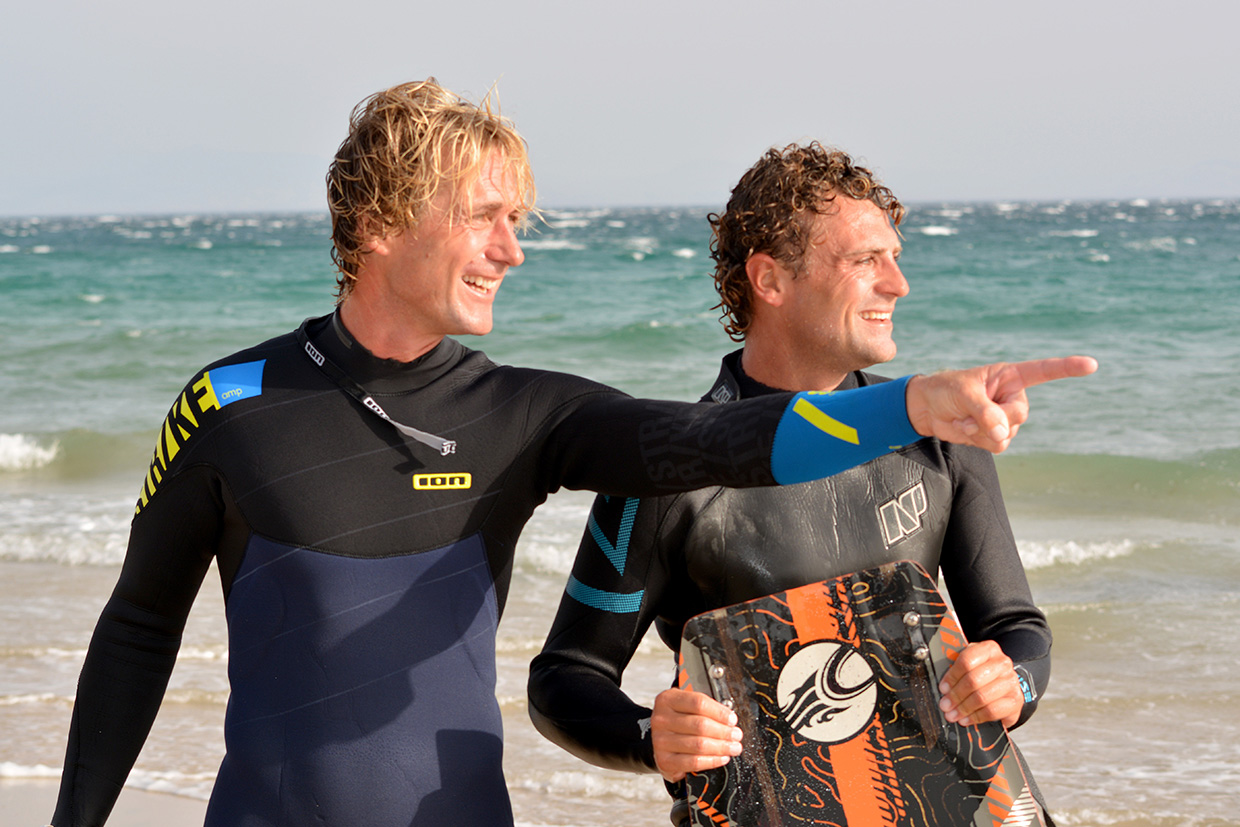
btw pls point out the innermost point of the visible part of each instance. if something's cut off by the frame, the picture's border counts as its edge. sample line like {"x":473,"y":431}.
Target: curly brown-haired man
{"x":807,"y":271}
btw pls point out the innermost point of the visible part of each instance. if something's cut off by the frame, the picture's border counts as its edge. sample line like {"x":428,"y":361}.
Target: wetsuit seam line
{"x":192,"y":445}
{"x":318,"y":549}
{"x":543,"y":420}
{"x":408,"y":516}
{"x":311,"y":468}
{"x":181,"y":469}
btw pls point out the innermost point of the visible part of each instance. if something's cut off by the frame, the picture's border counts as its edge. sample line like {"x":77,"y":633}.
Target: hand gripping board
{"x":835,"y":686}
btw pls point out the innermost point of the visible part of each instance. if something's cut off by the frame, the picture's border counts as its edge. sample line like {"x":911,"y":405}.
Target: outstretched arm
{"x":984,"y":406}
{"x":821,"y":434}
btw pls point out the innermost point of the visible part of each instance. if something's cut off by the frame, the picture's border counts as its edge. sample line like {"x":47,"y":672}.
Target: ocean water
{"x":1124,"y":489}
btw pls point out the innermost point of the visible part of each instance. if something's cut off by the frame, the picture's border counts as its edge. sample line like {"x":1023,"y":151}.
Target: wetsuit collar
{"x":733,"y":383}
{"x":409,"y":376}
{"x":381,"y":376}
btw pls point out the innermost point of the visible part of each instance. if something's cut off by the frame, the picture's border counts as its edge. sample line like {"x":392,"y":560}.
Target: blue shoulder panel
{"x":236,"y":382}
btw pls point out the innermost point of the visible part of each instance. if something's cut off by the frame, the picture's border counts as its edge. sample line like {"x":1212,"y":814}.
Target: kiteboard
{"x":835,"y":687}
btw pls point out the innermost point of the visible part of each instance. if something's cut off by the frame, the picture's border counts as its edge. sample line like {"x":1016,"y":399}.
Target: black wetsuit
{"x":665,"y":560}
{"x":364,"y":573}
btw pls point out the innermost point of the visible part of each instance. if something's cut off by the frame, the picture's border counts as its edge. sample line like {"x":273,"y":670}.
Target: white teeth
{"x":875,"y":316}
{"x":481,"y":283}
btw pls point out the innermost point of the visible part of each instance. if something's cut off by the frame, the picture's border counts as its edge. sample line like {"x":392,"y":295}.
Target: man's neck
{"x":381,"y":335}
{"x":776,"y":368}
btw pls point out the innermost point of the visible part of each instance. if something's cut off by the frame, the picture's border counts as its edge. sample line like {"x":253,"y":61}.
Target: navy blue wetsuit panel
{"x":347,"y":675}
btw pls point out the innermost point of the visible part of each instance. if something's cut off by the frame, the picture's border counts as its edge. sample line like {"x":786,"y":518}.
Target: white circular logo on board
{"x":827,"y":692}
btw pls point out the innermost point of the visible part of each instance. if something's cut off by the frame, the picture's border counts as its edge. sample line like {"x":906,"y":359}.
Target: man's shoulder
{"x":549,"y":386}
{"x":210,"y":399}
{"x":281,"y":345}
{"x":240,"y":375}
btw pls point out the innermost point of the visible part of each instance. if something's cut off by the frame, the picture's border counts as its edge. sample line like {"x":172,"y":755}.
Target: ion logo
{"x":827,"y":692}
{"x":424,"y":482}
{"x":901,"y":517}
{"x":314,"y":353}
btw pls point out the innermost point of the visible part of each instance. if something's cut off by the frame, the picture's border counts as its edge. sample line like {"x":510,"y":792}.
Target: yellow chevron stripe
{"x":832,"y":427}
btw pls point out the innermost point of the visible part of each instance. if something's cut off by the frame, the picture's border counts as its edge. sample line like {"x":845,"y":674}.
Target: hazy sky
{"x":131,"y":106}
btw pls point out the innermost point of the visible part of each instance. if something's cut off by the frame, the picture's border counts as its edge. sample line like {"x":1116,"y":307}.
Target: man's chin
{"x":878,"y":355}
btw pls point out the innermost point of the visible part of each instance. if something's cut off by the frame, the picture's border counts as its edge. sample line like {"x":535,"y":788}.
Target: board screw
{"x":921,"y":653}
{"x":716,"y":671}
{"x":912,"y":619}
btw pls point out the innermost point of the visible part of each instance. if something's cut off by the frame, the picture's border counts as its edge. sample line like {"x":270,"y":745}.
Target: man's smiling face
{"x":443,"y":274}
{"x":845,"y":290}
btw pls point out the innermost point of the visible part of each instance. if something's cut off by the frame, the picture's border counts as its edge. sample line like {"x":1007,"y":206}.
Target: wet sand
{"x":30,"y":804}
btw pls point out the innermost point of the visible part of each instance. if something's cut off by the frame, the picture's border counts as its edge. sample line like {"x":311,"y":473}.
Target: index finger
{"x":1038,"y":371}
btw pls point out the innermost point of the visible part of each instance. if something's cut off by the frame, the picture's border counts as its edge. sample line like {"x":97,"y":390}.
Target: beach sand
{"x":30,"y":804}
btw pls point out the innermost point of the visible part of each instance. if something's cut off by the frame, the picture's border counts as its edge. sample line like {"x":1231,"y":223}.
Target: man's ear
{"x":376,"y":239}
{"x":767,"y":278}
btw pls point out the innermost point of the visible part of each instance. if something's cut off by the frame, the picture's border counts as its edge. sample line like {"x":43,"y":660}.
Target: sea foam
{"x":590,"y":785}
{"x":8,"y":769}
{"x":1037,"y":555}
{"x":551,"y":244}
{"x":19,"y":452}
{"x":60,"y":528}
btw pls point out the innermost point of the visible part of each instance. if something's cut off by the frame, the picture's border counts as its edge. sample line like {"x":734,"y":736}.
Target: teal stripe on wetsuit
{"x":617,"y":553}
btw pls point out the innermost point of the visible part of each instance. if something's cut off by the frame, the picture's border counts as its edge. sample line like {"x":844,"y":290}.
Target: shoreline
{"x":31,"y":802}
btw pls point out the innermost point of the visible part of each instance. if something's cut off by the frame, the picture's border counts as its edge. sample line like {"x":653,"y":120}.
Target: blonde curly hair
{"x":772,"y":210}
{"x":404,"y":144}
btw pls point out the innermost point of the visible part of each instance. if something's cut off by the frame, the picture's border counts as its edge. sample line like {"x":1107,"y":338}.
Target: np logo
{"x":434,"y":482}
{"x":722,"y":394}
{"x":901,"y":516}
{"x":827,"y":692}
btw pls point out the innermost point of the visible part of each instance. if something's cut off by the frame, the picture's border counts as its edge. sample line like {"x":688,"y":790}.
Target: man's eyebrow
{"x":897,"y":248}
{"x":467,"y":209}
{"x":496,"y":205}
{"x":485,"y":206}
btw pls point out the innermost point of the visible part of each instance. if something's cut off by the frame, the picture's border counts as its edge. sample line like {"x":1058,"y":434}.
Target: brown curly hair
{"x":405,"y":143}
{"x":772,"y":211}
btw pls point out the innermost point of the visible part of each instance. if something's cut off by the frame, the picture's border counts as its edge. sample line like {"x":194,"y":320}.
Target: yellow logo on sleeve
{"x":212,"y":391}
{"x":828,"y":425}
